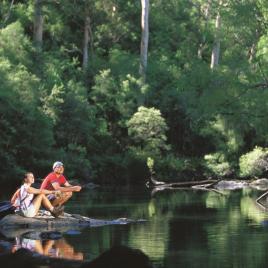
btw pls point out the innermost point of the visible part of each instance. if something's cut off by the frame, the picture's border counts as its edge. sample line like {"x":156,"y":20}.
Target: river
{"x":183,"y":228}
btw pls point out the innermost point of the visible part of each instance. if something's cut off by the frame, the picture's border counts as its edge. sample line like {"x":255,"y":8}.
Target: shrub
{"x":217,"y":165}
{"x":254,"y":163}
{"x":147,"y":130}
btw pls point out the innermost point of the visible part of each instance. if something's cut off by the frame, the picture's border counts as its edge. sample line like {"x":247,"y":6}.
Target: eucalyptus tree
{"x":144,"y":37}
{"x":88,"y":36}
{"x":215,"y":55}
{"x":204,"y":11}
{"x":38,"y":22}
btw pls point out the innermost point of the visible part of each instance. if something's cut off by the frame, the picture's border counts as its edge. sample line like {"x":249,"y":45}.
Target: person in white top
{"x":28,"y":200}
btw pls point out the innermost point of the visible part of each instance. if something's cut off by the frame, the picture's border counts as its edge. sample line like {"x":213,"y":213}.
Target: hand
{"x":77,"y":188}
{"x":57,"y":193}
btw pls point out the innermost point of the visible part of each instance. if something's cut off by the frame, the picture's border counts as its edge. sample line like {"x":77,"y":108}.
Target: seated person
{"x":57,"y":181}
{"x":28,"y":200}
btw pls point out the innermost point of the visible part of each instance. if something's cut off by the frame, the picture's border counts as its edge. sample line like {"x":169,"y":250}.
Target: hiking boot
{"x":57,"y":211}
{"x":61,"y":208}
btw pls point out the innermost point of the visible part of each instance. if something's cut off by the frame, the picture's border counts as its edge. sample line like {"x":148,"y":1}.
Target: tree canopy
{"x":71,"y":88}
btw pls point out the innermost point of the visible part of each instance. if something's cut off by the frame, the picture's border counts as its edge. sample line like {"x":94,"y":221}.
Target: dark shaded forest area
{"x":115,"y":89}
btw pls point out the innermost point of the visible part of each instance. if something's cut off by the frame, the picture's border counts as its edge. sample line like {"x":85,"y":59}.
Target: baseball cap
{"x":57,"y":164}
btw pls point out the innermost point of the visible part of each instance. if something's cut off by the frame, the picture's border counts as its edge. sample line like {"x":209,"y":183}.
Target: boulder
{"x":230,"y":185}
{"x":67,"y":221}
{"x":259,"y":184}
{"x":17,"y":221}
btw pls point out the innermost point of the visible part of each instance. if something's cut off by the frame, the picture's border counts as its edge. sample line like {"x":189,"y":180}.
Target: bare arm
{"x":32,"y":190}
{"x":66,"y":188}
{"x":15,"y":196}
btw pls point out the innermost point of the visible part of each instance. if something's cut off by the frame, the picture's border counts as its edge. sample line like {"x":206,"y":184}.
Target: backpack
{"x":6,"y":208}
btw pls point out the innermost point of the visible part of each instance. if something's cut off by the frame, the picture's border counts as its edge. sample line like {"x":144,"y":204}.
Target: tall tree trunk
{"x":38,"y":24}
{"x":215,"y":55}
{"x":144,"y":38}
{"x":86,"y":40}
{"x":205,"y":9}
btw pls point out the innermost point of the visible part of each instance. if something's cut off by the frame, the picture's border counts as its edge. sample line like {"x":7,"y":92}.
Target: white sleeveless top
{"x":25,"y":199}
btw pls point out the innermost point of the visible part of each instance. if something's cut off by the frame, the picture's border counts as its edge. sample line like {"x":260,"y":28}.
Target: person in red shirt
{"x":56,"y":181}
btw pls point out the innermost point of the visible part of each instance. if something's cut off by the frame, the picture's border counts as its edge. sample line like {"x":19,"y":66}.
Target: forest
{"x":118,"y":88}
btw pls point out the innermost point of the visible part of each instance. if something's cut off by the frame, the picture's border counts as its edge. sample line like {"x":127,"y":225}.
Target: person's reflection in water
{"x":52,"y":248}
{"x":65,"y":250}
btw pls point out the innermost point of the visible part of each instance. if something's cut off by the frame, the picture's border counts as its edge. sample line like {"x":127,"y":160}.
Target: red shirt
{"x":51,"y":178}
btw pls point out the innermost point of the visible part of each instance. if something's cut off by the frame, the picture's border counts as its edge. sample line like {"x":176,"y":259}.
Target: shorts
{"x":52,"y":197}
{"x":28,"y":243}
{"x":29,"y":212}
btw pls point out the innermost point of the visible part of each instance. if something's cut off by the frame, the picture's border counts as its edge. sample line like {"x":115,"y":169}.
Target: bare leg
{"x":38,"y":247}
{"x":62,"y":199}
{"x":47,"y":246}
{"x":68,"y":250}
{"x":46,"y":203}
{"x":41,"y":199}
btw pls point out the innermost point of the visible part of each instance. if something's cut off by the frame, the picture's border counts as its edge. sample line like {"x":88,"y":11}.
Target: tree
{"x":204,"y":9}
{"x":144,"y":38}
{"x":38,"y":24}
{"x":8,"y":12}
{"x":26,"y":132}
{"x":215,"y":55}
{"x":147,"y":130}
{"x":88,"y":37}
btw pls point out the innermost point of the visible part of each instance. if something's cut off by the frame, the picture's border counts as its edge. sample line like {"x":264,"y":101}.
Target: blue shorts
{"x":51,"y":197}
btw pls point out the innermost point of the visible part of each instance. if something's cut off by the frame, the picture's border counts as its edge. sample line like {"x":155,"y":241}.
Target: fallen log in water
{"x":154,"y":183}
{"x":157,"y":186}
{"x":189,"y":183}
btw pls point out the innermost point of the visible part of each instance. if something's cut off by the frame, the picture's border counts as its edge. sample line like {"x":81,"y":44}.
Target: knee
{"x":66,"y":195}
{"x":69,"y":194}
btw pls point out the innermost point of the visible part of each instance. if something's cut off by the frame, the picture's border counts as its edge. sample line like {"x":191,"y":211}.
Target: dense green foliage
{"x":53,"y":108}
{"x":147,"y":130}
{"x":254,"y":163}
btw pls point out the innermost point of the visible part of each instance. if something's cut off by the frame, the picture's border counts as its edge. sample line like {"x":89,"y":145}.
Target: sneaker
{"x":57,"y":211}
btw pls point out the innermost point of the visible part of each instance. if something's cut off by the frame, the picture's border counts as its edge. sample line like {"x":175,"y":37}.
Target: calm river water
{"x":183,"y":228}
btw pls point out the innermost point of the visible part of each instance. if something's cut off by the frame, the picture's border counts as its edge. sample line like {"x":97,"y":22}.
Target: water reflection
{"x":53,"y":248}
{"x":184,"y":228}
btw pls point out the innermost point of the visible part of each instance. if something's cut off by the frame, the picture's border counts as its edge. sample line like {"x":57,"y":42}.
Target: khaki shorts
{"x":56,"y":196}
{"x":29,"y":212}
